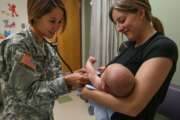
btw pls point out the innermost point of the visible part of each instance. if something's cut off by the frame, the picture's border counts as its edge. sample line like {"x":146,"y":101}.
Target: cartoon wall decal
{"x":12,"y":9}
{"x":7,"y":33}
{"x":7,"y":24}
{"x":13,"y":17}
{"x":3,"y":12}
{"x":2,"y":37}
{"x":23,"y":26}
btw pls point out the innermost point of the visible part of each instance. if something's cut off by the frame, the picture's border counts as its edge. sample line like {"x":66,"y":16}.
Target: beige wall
{"x":167,"y":11}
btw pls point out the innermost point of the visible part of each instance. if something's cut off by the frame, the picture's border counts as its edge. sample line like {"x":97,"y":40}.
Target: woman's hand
{"x":77,"y":79}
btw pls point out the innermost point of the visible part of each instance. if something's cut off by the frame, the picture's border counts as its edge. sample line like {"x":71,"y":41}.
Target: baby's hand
{"x":92,"y":59}
{"x":101,"y":69}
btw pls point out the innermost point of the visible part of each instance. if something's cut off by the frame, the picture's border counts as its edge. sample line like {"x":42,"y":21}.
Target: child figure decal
{"x":12,"y":9}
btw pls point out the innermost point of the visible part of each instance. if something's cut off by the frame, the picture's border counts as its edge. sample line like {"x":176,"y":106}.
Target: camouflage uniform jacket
{"x":32,"y":78}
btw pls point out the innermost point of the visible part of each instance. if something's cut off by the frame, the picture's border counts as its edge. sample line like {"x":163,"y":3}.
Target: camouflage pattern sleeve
{"x":32,"y":85}
{"x":27,"y":76}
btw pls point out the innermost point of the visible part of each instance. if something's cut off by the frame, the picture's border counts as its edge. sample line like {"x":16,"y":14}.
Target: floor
{"x":71,"y":108}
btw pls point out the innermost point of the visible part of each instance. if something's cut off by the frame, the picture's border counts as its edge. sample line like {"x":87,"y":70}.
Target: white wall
{"x":168,"y":12}
{"x":6,"y":15}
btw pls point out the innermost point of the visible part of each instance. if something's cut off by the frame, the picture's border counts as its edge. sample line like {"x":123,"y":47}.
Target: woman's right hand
{"x":77,"y":79}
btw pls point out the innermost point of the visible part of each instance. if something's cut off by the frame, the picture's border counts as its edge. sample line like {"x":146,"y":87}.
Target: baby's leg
{"x":101,"y":112}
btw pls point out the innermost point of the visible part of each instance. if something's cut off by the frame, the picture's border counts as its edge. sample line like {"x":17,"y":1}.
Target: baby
{"x":116,"y":80}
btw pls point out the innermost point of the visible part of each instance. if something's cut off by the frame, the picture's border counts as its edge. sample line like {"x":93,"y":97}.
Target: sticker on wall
{"x":7,"y":33}
{"x":2,"y":37}
{"x":13,"y":16}
{"x":9,"y":25}
{"x":4,"y":13}
{"x":23,"y":26}
{"x":12,"y":9}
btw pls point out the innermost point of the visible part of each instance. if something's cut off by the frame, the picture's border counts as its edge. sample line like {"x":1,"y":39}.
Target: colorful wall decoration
{"x":13,"y":17}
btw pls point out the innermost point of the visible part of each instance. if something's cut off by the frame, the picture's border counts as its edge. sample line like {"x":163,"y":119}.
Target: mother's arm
{"x":149,"y":78}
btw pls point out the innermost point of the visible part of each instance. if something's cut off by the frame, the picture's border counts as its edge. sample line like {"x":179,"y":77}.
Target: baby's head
{"x":119,"y":81}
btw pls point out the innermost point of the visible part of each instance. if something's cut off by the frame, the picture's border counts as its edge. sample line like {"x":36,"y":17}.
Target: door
{"x":69,"y":42}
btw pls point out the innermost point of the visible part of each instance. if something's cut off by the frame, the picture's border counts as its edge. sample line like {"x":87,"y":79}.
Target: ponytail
{"x":157,"y":24}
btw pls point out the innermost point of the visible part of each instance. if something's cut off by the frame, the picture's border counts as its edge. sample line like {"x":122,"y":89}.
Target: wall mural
{"x":12,"y":17}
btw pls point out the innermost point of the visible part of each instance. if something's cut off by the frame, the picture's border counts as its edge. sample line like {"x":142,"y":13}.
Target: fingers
{"x":82,"y":70}
{"x":76,"y":80}
{"x":78,"y":84}
{"x":101,"y":69}
{"x":84,"y":81}
{"x":92,"y":59}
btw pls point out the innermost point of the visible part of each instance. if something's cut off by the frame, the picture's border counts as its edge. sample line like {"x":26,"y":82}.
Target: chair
{"x":171,"y":105}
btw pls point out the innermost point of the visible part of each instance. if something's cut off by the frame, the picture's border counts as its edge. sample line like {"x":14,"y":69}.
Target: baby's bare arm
{"x":93,"y":77}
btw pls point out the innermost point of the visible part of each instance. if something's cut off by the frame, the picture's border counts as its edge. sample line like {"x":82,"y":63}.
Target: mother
{"x":150,"y":56}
